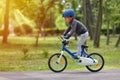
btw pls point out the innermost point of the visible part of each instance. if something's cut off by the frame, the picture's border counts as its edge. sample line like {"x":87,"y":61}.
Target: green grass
{"x":13,"y":58}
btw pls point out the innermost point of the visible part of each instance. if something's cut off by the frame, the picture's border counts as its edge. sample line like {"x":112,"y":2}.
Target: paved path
{"x":66,"y":75}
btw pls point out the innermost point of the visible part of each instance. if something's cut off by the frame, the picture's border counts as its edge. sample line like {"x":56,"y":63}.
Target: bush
{"x":118,"y":29}
{"x":23,"y":30}
{"x":45,"y":53}
{"x":104,"y":31}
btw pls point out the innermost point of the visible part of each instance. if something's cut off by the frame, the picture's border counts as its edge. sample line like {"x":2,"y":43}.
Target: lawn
{"x":21,"y":53}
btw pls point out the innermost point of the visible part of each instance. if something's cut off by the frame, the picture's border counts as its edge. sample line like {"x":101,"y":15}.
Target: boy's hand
{"x":66,"y":37}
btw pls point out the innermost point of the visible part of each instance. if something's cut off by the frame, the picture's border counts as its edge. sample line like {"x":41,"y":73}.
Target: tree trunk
{"x":107,"y":19}
{"x":37,"y":38}
{"x":113,"y":30}
{"x":98,"y":26}
{"x":6,"y":22}
{"x":118,"y":41}
{"x":88,"y":17}
{"x":84,"y":12}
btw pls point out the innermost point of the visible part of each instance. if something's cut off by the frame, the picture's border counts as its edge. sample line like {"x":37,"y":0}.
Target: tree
{"x":6,"y":22}
{"x":98,"y":26}
{"x":88,"y":17}
{"x":108,"y":22}
{"x":45,"y":10}
{"x":118,"y":41}
{"x":114,"y":14}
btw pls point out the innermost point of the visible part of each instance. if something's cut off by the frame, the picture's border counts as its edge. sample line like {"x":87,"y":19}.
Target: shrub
{"x":45,"y":53}
{"x":118,"y":29}
{"x":23,"y":30}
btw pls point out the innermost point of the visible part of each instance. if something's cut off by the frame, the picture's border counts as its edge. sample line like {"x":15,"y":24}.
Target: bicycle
{"x":57,"y":62}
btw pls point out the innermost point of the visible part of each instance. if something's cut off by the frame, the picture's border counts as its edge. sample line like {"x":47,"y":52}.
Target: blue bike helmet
{"x":68,"y":13}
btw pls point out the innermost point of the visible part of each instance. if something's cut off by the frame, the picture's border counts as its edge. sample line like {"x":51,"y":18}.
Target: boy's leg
{"x":81,"y":41}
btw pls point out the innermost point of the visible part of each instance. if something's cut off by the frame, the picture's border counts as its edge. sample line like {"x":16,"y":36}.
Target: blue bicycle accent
{"x":57,"y":62}
{"x":83,"y":52}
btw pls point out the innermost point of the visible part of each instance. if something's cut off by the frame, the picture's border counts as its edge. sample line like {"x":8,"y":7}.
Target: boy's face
{"x":68,"y":19}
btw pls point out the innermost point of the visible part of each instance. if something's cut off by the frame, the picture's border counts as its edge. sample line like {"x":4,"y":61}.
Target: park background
{"x":29,"y":31}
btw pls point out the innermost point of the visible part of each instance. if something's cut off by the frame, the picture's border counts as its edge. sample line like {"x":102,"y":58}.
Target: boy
{"x":75,"y":27}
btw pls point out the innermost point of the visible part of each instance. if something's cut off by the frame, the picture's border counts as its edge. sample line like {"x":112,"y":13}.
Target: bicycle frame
{"x":83,"y":52}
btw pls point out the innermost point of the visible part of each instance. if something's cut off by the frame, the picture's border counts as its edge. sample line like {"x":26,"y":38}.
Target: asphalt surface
{"x":65,"y":75}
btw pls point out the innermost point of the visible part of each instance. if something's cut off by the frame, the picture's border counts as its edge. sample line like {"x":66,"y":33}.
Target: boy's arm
{"x":73,"y":30}
{"x":70,"y":33}
{"x":66,"y":31}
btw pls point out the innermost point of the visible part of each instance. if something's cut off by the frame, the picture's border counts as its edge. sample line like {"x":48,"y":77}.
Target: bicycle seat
{"x":84,"y":46}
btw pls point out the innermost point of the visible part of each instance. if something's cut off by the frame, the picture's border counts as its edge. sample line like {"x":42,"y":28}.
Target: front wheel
{"x":57,"y":64}
{"x":97,"y":67}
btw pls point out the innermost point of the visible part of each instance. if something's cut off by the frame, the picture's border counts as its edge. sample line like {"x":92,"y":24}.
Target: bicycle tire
{"x":100,"y":63}
{"x":51,"y":66}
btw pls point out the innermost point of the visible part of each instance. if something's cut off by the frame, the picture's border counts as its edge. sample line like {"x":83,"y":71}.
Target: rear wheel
{"x":56,"y":66}
{"x":97,"y":67}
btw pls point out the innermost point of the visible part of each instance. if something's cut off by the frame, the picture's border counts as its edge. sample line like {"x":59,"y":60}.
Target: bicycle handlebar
{"x":63,"y":40}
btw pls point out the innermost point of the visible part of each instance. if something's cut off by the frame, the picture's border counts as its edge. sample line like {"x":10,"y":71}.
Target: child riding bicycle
{"x":75,"y":27}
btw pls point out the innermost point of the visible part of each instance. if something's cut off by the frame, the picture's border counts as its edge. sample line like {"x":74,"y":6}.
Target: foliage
{"x":60,"y":23}
{"x":113,"y":10}
{"x":25,"y":51}
{"x":45,"y":53}
{"x":37,"y":10}
{"x":40,"y":11}
{"x":23,"y":30}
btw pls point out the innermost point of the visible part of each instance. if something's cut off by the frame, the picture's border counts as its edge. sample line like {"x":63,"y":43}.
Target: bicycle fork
{"x":59,"y":58}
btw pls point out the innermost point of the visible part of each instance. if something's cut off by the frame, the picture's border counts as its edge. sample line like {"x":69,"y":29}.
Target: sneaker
{"x":76,"y":57}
